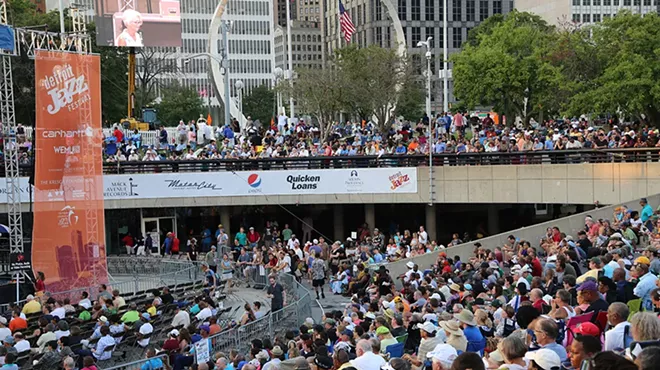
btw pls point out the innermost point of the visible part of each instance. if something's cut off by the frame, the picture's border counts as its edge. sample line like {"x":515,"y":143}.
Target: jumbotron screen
{"x":147,"y":23}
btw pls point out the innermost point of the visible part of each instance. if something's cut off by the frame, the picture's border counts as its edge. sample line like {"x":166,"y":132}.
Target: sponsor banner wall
{"x":245,"y":183}
{"x":68,"y":232}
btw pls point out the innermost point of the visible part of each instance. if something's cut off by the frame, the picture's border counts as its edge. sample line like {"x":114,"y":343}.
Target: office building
{"x":563,"y":12}
{"x":419,"y":19}
{"x":306,"y":45}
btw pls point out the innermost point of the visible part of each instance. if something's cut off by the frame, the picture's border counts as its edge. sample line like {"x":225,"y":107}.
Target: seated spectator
{"x":47,"y":336}
{"x":31,"y":306}
{"x":4,"y":330}
{"x":62,"y":329}
{"x":181,"y":318}
{"x":84,"y":301}
{"x":21,"y":345}
{"x":145,"y":330}
{"x":513,"y":350}
{"x":51,"y":357}
{"x":543,"y":359}
{"x":17,"y":322}
{"x":132,"y":315}
{"x":117,"y":300}
{"x":546,"y":332}
{"x":615,"y":338}
{"x":583,"y":348}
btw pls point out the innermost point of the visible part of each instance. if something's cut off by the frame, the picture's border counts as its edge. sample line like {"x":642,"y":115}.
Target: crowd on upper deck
{"x":284,"y":138}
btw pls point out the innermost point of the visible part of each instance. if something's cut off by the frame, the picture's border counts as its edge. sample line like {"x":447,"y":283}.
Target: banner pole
{"x":18,"y":297}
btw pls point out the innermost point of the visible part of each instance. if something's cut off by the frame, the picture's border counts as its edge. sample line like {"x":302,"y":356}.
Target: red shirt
{"x":39,"y":286}
{"x":538,"y":305}
{"x":537,"y":270}
{"x":128,"y":240}
{"x":253,"y":237}
{"x":556,"y":237}
{"x":118,"y":135}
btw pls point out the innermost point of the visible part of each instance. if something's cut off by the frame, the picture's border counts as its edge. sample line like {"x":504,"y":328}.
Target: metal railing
{"x":132,"y":275}
{"x":441,"y":159}
{"x":272,"y":325}
{"x":137,"y":365}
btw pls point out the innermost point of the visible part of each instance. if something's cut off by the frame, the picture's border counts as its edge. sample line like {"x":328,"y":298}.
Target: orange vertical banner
{"x":68,"y":239}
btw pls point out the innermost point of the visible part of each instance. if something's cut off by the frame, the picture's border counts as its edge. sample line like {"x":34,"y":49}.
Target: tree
{"x":179,"y":103}
{"x":508,"y":67}
{"x":411,"y":100}
{"x":152,"y":63}
{"x":260,"y":104}
{"x":625,"y":75}
{"x":320,"y":93}
{"x":375,"y":77}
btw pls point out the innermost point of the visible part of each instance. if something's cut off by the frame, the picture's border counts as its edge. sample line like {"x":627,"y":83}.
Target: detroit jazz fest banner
{"x":68,"y":235}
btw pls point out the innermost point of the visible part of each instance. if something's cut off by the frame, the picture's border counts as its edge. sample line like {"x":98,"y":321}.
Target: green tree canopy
{"x":506,"y":63}
{"x":260,"y":104}
{"x":179,"y":103}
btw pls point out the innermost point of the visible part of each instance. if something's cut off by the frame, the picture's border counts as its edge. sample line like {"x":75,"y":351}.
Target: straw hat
{"x":455,"y":287}
{"x":451,"y":327}
{"x":466,"y":316}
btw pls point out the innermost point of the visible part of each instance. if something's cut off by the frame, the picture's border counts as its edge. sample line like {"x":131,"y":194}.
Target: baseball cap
{"x":642,"y":259}
{"x":588,"y":286}
{"x":174,"y":333}
{"x":3,"y":320}
{"x":103,"y":319}
{"x":382,"y":330}
{"x":444,"y":353}
{"x":596,"y":260}
{"x":9,"y":340}
{"x":146,"y":316}
{"x":205,"y":328}
{"x":587,"y":328}
{"x":547,"y":359}
{"x":347,"y":332}
{"x":428,"y":327}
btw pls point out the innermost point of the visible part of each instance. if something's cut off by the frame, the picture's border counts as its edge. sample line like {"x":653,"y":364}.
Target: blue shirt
{"x":152,"y":364}
{"x":242,"y":238}
{"x":643,"y":290}
{"x":558,"y":349}
{"x":647,"y":212}
{"x":549,"y":145}
{"x":473,"y":334}
{"x":400,"y":150}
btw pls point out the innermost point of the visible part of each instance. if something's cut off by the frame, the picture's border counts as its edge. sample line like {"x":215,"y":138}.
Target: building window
{"x":458,"y":39}
{"x":470,"y":10}
{"x":576,"y":2}
{"x":597,"y":2}
{"x":483,"y":10}
{"x":576,"y":18}
{"x":647,"y":2}
{"x":586,"y":18}
{"x":596,"y":18}
{"x":429,"y":33}
{"x":456,"y":10}
{"x":415,"y":10}
{"x":586,"y":2}
{"x":638,"y":2}
{"x":606,"y":16}
{"x":428,"y":10}
{"x":607,"y":2}
{"x":416,"y":35}
{"x":627,"y":2}
{"x":497,"y":7}
{"x":402,"y":9}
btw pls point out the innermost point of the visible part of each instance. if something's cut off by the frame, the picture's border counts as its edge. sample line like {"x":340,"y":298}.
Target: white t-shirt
{"x":368,"y":361}
{"x":204,"y":314}
{"x":4,"y":332}
{"x":423,"y":237}
{"x":292,"y":242}
{"x":287,"y":260}
{"x":59,"y":312}
{"x":22,"y":346}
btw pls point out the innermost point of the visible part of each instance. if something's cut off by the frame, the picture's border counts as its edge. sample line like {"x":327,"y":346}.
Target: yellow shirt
{"x":31,"y":307}
{"x":151,"y":311}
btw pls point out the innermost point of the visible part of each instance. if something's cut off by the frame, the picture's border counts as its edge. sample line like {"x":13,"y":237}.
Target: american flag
{"x":345,"y":22}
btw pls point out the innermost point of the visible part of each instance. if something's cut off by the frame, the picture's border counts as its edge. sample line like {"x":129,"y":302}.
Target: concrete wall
{"x":584,"y":183}
{"x":552,"y":11}
{"x":570,"y":225}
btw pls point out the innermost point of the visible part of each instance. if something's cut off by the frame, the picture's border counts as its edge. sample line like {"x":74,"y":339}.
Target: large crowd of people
{"x":583,"y":301}
{"x":460,"y":133}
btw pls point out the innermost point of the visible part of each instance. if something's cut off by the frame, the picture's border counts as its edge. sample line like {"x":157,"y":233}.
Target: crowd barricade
{"x":137,"y":365}
{"x":297,"y":308}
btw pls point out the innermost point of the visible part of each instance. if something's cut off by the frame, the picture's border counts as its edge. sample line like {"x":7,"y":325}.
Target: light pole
{"x":290,"y":54}
{"x":427,"y":44}
{"x":429,"y":143}
{"x":445,"y":83}
{"x":278,"y":76}
{"x":239,"y":90}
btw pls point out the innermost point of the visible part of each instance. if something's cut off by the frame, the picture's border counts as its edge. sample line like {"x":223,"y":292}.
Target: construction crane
{"x":27,"y":41}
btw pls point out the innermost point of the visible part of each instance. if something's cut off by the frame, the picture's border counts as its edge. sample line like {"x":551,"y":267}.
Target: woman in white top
{"x":130,"y":36}
{"x":561,"y":310}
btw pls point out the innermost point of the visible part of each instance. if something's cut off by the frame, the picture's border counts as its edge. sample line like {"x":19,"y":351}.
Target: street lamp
{"x":429,"y":144}
{"x":427,"y":45}
{"x":279,"y":73}
{"x":239,"y":90}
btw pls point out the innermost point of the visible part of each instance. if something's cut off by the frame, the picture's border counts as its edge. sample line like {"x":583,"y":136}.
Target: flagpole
{"x":341,"y":113}
{"x":290,"y":54}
